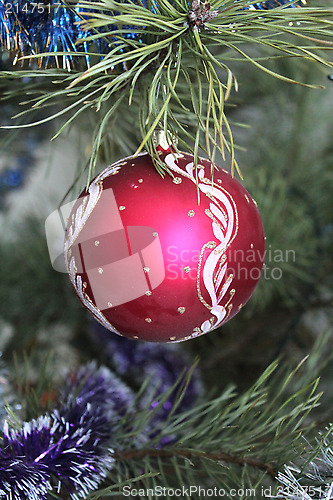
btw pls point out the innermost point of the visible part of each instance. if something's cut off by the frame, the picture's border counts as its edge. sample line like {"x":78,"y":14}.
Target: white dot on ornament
{"x":177,"y":180}
{"x":155,"y":233}
{"x":191,"y":213}
{"x":251,"y":245}
{"x":187,"y":269}
{"x":172,"y":338}
{"x":148,"y":320}
{"x":135,"y":337}
{"x":109,"y":304}
{"x":100,"y":270}
{"x":146,"y":269}
{"x":140,"y":181}
{"x":122,"y":207}
{"x":96,"y":243}
{"x":148,"y":293}
{"x":181,"y":310}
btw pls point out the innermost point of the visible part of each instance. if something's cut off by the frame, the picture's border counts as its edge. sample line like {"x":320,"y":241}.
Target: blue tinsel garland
{"x":272,"y":4}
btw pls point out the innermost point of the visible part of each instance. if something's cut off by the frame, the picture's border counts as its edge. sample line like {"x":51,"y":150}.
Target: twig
{"x":216,"y":456}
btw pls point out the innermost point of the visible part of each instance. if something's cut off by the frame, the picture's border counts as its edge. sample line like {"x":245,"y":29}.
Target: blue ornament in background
{"x":14,"y":174}
{"x":18,"y":157}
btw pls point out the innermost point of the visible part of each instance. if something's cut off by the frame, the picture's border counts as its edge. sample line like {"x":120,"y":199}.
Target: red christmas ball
{"x":164,"y":259}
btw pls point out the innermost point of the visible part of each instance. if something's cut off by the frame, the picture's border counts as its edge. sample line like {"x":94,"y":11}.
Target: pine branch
{"x":220,"y":421}
{"x":259,"y":430}
{"x":156,"y":55}
{"x":312,"y":477}
{"x":190,"y":454}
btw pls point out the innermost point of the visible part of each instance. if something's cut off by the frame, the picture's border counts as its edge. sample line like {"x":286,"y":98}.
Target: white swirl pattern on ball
{"x":224,"y":228}
{"x":78,"y":285}
{"x":80,"y":218}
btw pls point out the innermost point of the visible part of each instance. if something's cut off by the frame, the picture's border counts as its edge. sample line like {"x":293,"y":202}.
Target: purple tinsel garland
{"x":19,"y":480}
{"x":70,"y":448}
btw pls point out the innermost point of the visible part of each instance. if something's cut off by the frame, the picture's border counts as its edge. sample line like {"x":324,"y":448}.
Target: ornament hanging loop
{"x":164,"y":140}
